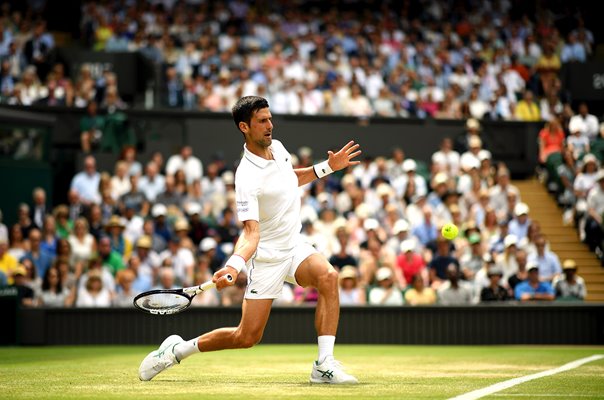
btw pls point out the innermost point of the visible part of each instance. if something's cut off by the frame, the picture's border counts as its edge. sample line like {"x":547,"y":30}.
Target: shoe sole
{"x":318,"y":381}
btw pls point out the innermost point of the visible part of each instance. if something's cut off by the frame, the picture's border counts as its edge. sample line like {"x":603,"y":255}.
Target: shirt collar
{"x":256,"y":160}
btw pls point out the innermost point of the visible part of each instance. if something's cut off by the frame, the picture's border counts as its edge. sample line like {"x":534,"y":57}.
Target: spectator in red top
{"x":409,"y":263}
{"x":551,"y":139}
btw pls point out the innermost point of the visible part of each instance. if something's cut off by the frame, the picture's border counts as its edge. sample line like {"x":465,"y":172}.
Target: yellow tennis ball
{"x":449,"y":231}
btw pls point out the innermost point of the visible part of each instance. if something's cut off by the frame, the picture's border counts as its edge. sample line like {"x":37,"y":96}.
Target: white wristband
{"x":322,"y":169}
{"x":236,"y":261}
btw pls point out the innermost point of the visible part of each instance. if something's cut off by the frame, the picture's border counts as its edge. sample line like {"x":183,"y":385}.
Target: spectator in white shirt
{"x":386,"y":293}
{"x":120,"y":182}
{"x":186,"y":161}
{"x":152,"y":183}
{"x":587,"y":122}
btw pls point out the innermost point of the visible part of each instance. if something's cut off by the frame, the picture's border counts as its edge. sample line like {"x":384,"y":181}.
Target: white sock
{"x":326,"y":343}
{"x":186,"y":349}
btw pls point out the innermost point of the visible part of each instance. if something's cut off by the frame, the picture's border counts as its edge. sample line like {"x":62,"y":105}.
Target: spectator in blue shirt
{"x":86,"y":182}
{"x":547,"y":261}
{"x":40,"y":258}
{"x":426,"y":231}
{"x":533,"y":289}
{"x":441,"y":261}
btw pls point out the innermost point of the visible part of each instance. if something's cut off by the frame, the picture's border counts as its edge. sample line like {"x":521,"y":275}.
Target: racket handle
{"x":209,"y":285}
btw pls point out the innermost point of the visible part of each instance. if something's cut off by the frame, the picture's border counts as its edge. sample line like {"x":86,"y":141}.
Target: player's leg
{"x":255,"y":313}
{"x":315,"y":271}
{"x":174,"y":349}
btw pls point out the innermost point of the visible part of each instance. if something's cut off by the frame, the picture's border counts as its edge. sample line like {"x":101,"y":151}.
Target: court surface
{"x":282,"y":371}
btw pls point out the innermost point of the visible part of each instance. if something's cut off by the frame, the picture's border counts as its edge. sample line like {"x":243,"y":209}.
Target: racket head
{"x":162,"y":302}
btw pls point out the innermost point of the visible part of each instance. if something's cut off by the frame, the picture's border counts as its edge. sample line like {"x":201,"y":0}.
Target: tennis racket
{"x":171,"y":301}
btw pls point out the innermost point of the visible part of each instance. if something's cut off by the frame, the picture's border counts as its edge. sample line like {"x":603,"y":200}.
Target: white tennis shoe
{"x":331,"y":371}
{"x":160,"y":359}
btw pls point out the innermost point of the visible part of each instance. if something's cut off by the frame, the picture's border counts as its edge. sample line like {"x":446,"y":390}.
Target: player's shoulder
{"x":278,"y":146}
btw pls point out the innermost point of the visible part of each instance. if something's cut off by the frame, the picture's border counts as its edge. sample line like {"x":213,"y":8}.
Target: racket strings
{"x":163,"y":302}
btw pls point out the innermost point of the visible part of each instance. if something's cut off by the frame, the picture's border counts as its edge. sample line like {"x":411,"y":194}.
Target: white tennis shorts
{"x":265,"y":278}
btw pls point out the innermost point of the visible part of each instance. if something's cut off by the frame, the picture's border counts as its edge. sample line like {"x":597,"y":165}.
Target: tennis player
{"x":270,"y":247}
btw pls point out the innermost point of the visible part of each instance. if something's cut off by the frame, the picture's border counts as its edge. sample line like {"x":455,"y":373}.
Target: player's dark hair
{"x":246,"y":107}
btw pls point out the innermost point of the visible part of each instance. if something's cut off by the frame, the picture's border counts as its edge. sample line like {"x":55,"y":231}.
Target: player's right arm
{"x":244,"y":250}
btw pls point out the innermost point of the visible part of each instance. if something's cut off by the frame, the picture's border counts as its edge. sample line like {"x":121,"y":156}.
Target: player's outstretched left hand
{"x":343,"y":158}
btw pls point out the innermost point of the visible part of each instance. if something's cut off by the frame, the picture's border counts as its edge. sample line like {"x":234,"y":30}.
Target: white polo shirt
{"x":267,"y":192}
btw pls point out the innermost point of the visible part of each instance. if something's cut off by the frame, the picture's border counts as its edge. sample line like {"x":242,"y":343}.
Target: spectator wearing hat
{"x":546,"y":260}
{"x":182,"y":230}
{"x":387,"y":292}
{"x":494,"y":292}
{"x":209,"y":247}
{"x":439,"y":190}
{"x":148,"y":258}
{"x":462,"y":142}
{"x":578,"y":144}
{"x":199,"y":229}
{"x":401,"y":183}
{"x":159,"y":213}
{"x":418,"y":294}
{"x":454,"y":291}
{"x":25,"y":294}
{"x":507,"y":259}
{"x":351,"y":293}
{"x":533,"y":288}
{"x":569,"y":285}
{"x":595,"y":212}
{"x":471,"y":262}
{"x":470,"y":157}
{"x":520,"y":224}
{"x":409,"y":263}
{"x":115,"y":230}
{"x":400,"y":233}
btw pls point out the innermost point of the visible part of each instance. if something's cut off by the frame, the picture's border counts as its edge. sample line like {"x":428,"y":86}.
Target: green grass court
{"x":281,"y":371}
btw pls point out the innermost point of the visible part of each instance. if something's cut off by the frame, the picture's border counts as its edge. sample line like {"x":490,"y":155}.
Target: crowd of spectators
{"x":173,"y":223}
{"x":423,"y":59}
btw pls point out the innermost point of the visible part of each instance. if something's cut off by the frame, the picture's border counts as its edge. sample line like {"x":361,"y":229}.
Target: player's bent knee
{"x":328,"y":280}
{"x":245,"y":341}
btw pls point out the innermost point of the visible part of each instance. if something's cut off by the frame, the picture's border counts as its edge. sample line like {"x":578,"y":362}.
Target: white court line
{"x":497,"y":387}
